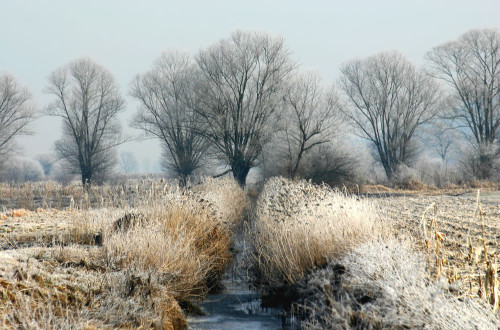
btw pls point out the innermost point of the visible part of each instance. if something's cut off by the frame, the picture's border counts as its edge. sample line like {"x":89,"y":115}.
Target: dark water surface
{"x":237,"y":306}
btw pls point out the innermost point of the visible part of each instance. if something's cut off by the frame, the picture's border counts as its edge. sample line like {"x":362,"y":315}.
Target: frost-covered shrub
{"x":22,"y":170}
{"x":383,"y":284}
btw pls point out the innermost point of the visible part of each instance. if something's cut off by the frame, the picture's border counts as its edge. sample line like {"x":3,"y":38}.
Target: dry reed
{"x":129,"y":277}
{"x":298,"y":226}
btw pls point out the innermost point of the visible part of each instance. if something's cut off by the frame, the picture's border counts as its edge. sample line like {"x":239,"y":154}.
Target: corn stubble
{"x":75,"y":268}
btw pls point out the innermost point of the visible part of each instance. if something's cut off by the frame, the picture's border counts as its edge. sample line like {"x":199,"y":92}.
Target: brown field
{"x":464,"y":242}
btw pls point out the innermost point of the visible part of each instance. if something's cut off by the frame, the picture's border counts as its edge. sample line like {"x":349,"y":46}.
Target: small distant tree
{"x":471,"y":67}
{"x":16,"y":112}
{"x":311,"y":118}
{"x":88,"y":100}
{"x":47,"y":162}
{"x":387,"y":100}
{"x":128,"y":162}
{"x":331,"y":164}
{"x":443,"y":140}
{"x":239,"y":94}
{"x":165,"y":94}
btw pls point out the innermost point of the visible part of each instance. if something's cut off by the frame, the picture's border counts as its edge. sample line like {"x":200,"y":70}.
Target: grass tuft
{"x":299,"y":225}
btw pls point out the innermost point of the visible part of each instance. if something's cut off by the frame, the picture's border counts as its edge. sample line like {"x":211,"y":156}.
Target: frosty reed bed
{"x":384,"y":284}
{"x":176,"y":243}
{"x":298,"y":225}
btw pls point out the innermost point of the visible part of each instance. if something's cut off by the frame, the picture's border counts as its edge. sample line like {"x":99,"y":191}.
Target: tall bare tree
{"x":88,"y":100}
{"x":388,"y":99}
{"x":311,"y":118}
{"x":239,"y":94}
{"x":165,"y":94}
{"x":471,"y":67}
{"x":16,"y":112}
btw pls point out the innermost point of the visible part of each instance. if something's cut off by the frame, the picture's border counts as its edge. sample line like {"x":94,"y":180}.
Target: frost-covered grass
{"x":344,"y":262}
{"x":80,"y":268}
{"x":384,"y":284}
{"x":298,"y":225}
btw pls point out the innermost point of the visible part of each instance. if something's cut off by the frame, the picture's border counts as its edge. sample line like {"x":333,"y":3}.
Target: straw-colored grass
{"x":298,"y":225}
{"x":306,"y":237}
{"x":171,"y":246}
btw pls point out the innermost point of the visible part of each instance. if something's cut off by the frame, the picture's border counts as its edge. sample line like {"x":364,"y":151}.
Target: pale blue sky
{"x":125,"y":36}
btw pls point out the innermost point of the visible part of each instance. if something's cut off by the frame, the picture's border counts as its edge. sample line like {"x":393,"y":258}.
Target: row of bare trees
{"x":233,"y":100}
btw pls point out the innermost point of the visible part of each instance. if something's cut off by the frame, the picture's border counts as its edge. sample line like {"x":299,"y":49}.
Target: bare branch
{"x":471,"y":68}
{"x":387,"y":100}
{"x":165,"y":94}
{"x":239,"y":95}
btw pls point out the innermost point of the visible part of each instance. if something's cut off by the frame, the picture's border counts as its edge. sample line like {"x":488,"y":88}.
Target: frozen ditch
{"x":237,"y":306}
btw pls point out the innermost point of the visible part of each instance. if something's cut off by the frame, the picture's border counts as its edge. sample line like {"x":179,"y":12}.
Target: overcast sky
{"x":126,"y":36}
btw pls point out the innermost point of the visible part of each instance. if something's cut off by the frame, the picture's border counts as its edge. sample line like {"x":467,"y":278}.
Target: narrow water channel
{"x":237,"y":306}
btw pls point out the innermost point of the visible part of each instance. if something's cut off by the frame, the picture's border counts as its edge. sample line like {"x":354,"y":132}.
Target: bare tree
{"x":47,"y":162}
{"x":239,"y":95}
{"x":388,"y":99}
{"x":165,"y":94}
{"x":16,"y":112}
{"x":311,"y":118}
{"x":88,"y":100}
{"x":443,"y":140}
{"x":471,"y":67}
{"x":128,"y":162}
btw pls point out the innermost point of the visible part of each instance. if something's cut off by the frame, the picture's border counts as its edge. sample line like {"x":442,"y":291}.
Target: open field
{"x":132,"y":256}
{"x":468,"y":241}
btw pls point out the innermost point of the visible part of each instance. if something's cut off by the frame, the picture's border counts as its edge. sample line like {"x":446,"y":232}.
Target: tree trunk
{"x":485,"y":166}
{"x":297,"y":163}
{"x":86,"y":176}
{"x":240,"y":173}
{"x":388,"y":170}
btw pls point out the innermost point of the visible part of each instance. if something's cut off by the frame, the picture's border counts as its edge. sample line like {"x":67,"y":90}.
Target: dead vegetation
{"x":383,"y":284}
{"x":133,"y":256}
{"x":458,"y":236}
{"x":75,"y":268}
{"x":298,"y":227}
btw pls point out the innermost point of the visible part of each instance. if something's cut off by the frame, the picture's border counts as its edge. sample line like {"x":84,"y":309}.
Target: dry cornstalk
{"x":479,"y":212}
{"x":491,"y":285}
